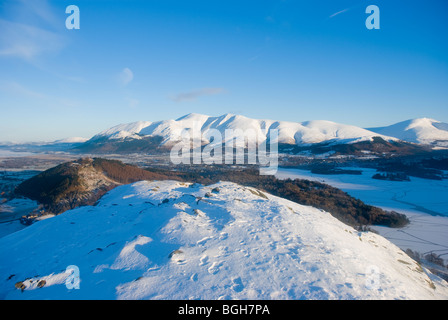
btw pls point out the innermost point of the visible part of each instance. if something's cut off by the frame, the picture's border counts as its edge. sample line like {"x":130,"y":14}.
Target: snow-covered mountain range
{"x":423,"y":130}
{"x":174,"y":240}
{"x":288,"y":132}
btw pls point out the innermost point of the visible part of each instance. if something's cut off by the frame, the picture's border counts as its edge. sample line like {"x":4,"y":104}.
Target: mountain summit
{"x":422,"y":130}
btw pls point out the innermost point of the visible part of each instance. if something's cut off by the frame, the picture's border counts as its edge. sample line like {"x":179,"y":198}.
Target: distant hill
{"x":422,"y":130}
{"x":58,"y":145}
{"x":80,"y":182}
{"x":375,"y":147}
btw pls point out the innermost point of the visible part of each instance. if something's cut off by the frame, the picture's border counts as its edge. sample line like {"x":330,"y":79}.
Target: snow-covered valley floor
{"x":424,"y":201}
{"x":171,"y":240}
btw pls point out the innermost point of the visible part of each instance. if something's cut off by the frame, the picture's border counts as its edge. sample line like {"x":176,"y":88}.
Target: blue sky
{"x":153,"y":60}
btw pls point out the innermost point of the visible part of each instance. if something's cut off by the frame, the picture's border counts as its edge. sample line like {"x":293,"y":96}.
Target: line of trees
{"x":341,"y":205}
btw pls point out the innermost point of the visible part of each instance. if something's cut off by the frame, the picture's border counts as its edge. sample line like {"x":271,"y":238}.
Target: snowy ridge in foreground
{"x":172,"y":240}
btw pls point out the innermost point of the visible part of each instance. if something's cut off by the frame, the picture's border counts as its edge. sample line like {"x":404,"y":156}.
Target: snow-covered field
{"x":424,"y":201}
{"x":10,"y":213}
{"x":5,"y":153}
{"x":171,"y":240}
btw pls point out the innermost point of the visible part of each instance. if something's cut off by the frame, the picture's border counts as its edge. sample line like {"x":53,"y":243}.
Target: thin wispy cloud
{"x":133,"y":103}
{"x":27,"y":42}
{"x":30,"y":29}
{"x":195,"y":94}
{"x":15,"y":88}
{"x":41,"y":10}
{"x":338,"y":13}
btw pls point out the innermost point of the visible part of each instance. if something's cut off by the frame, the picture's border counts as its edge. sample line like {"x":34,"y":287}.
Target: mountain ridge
{"x":418,"y":131}
{"x":316,"y":136}
{"x":299,"y":133}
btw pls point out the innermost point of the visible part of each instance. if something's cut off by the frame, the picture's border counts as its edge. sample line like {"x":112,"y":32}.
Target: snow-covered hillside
{"x":173,"y":240}
{"x":122,"y":131}
{"x":71,"y":140}
{"x":289,"y":132}
{"x":423,"y":130}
